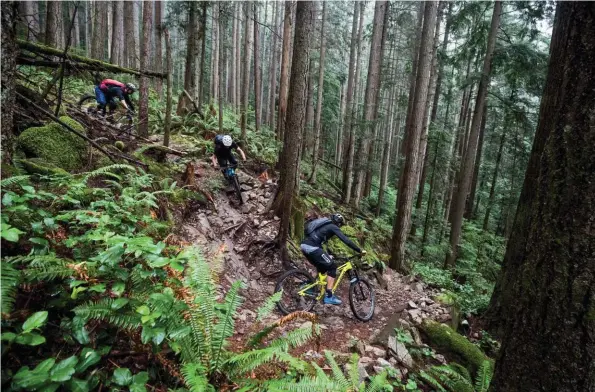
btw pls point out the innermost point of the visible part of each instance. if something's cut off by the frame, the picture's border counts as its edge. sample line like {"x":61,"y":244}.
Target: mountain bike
{"x":117,"y":118}
{"x":229,"y":172}
{"x":301,"y":291}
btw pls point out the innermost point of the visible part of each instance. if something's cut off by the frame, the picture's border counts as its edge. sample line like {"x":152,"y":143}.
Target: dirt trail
{"x":243,"y":236}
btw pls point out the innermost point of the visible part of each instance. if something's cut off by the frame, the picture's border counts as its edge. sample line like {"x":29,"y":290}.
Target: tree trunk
{"x":246,"y":70}
{"x":158,"y":61}
{"x":466,"y":172}
{"x":143,"y":98}
{"x":386,"y":150}
{"x":88,"y":26}
{"x":285,"y":66}
{"x":414,"y":124}
{"x":136,"y":29}
{"x":74,"y":30}
{"x":423,"y":162}
{"x":54,"y":25}
{"x":234,"y":57}
{"x":257,"y":81}
{"x":221,"y":49}
{"x":547,"y":281}
{"x":274,"y":66}
{"x":350,"y":113}
{"x":492,"y":196}
{"x":295,"y":121}
{"x":118,"y":34}
{"x":169,"y":82}
{"x":203,"y":55}
{"x":309,"y":108}
{"x":98,"y":48}
{"x":109,"y":26}
{"x":238,"y":84}
{"x":471,"y":198}
{"x":184,"y":104}
{"x":215,"y":53}
{"x":131,"y":60}
{"x":10,"y":51}
{"x":372,"y":86}
{"x":31,"y":17}
{"x":318,"y":120}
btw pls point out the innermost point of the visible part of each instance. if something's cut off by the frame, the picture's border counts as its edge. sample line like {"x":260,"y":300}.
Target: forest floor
{"x":242,"y":236}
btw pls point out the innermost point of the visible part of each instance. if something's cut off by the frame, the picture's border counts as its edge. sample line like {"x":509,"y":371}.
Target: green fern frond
{"x":104,"y":310}
{"x":108,"y":171}
{"x":462,"y":370}
{"x":431,"y":381}
{"x":9,"y":282}
{"x":483,"y":377}
{"x":225,"y":327}
{"x":195,"y":378}
{"x":6,"y":182}
{"x":338,"y":375}
{"x":378,"y":382}
{"x":268,"y":306}
{"x":48,"y":267}
{"x":353,"y":370}
{"x":295,"y":338}
{"x":451,"y":379}
{"x":306,"y":384}
{"x":250,"y":360}
{"x":257,"y":339}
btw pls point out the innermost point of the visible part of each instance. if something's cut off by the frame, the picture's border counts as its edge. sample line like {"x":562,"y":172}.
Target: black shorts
{"x":322,"y":261}
{"x":224,"y":159}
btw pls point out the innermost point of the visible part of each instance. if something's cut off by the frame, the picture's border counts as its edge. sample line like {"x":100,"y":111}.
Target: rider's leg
{"x":101,"y":99}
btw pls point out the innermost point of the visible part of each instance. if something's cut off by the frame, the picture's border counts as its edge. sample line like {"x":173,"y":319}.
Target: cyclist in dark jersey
{"x":317,"y":233}
{"x":109,"y":89}
{"x":223,"y":154}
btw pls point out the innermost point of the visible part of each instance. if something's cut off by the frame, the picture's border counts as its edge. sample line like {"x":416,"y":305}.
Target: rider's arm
{"x":128,"y":102}
{"x":214,"y":160}
{"x":118,"y":92}
{"x":344,"y":238}
{"x":242,"y":153}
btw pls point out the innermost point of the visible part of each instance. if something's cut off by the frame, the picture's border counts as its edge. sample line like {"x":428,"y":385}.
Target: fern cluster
{"x":456,"y":378}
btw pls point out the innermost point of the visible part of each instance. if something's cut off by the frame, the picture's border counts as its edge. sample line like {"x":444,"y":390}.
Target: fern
{"x":8,"y":286}
{"x":378,"y":382}
{"x":483,"y":377}
{"x":13,"y":180}
{"x":103,"y":310}
{"x":337,"y":372}
{"x":250,"y":360}
{"x":268,"y":306}
{"x":195,"y":378}
{"x":430,"y":380}
{"x":225,"y":327}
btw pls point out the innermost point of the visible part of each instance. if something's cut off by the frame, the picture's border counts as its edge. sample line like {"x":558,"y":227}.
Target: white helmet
{"x":227,"y":141}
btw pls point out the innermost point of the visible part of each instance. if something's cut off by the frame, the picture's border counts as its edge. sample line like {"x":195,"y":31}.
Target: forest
{"x":452,"y":143}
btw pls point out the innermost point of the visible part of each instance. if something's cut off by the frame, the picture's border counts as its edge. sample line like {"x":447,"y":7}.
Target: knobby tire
{"x":308,"y":302}
{"x":355,"y":291}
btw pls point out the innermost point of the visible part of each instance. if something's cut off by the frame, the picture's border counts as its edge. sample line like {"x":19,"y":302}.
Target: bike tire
{"x":367,"y":316}
{"x":85,"y":99}
{"x":238,"y":189}
{"x":306,"y":303}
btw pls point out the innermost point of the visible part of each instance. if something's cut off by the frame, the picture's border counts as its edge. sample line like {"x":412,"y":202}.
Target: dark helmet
{"x":130,"y":87}
{"x":337,"y":219}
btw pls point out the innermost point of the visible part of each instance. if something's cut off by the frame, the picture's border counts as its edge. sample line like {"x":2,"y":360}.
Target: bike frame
{"x":321,"y":281}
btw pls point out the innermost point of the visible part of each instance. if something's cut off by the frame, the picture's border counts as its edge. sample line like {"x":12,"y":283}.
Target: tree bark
{"x":98,"y":48}
{"x":31,"y":18}
{"x":143,"y":99}
{"x":136,"y":14}
{"x":549,"y":268}
{"x":285,"y":67}
{"x":414,"y":124}
{"x":130,"y":37}
{"x":234,"y":57}
{"x":158,"y":61}
{"x":471,"y":198}
{"x":109,"y":26}
{"x":318,"y":119}
{"x":118,"y":34}
{"x":221,"y":48}
{"x":386,"y":150}
{"x":215,"y":54}
{"x":169,"y":83}
{"x":372,"y":87}
{"x":274,"y":66}
{"x":350,"y":113}
{"x":466,"y":172}
{"x":309,"y":108}
{"x":203,"y":55}
{"x":295,"y":121}
{"x":246,"y":70}
{"x":10,"y":51}
{"x":184,"y":104}
{"x":257,"y":71}
{"x":54,"y":25}
{"x":492,"y":196}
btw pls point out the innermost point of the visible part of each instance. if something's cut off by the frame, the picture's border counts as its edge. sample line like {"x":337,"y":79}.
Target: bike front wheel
{"x":362,"y":299}
{"x":291,"y":283}
{"x":238,"y":189}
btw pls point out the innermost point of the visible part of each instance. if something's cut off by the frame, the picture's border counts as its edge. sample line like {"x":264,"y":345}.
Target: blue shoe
{"x":332,"y":300}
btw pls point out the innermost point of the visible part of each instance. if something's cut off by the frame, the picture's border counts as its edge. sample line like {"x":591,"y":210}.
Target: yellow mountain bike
{"x":302,"y":292}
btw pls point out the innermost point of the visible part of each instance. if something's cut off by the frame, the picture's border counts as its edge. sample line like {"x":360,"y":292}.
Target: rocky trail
{"x":242,"y":238}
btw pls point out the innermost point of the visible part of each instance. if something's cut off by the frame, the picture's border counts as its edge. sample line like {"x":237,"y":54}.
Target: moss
{"x":120,"y":145}
{"x":54,"y":145}
{"x":298,"y":212}
{"x":7,"y":170}
{"x":40,"y":166}
{"x":449,"y":340}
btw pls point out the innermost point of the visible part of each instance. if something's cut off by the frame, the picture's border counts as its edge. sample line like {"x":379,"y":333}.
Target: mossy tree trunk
{"x":544,"y":302}
{"x":9,"y":54}
{"x":143,"y":104}
{"x":295,"y":121}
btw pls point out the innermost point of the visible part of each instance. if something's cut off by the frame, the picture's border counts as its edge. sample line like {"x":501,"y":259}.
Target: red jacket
{"x":107,"y":83}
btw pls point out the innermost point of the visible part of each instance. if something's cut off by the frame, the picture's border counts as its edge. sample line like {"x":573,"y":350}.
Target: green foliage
{"x":455,"y":378}
{"x":54,"y":144}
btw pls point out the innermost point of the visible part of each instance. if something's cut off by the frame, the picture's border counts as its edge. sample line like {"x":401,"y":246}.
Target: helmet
{"x":337,"y":219}
{"x":227,"y":141}
{"x":131,"y":87}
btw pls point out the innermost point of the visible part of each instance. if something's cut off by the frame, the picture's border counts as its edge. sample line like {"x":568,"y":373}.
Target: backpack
{"x":315,"y":224}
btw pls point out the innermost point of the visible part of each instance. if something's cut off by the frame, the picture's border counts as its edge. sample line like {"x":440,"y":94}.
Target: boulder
{"x":376,"y":351}
{"x":400,"y":352}
{"x":54,"y":145}
{"x":412,"y":305}
{"x":247,"y":207}
{"x":383,"y":363}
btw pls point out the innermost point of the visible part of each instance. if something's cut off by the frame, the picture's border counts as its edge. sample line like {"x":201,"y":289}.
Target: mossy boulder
{"x":54,"y":145}
{"x":448,"y":340}
{"x":40,"y":166}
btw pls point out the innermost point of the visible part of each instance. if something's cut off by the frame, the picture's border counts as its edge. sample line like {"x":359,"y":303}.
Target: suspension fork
{"x":354,"y":278}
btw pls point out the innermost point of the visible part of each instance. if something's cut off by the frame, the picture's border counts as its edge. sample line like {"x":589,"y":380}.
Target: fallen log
{"x":73,"y":58}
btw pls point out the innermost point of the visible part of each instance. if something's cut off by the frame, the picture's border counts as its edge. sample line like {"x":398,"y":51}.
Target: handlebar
{"x":343,"y":260}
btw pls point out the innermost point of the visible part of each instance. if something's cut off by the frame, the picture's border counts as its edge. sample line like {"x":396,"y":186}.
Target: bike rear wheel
{"x":362,"y":299}
{"x":291,"y":282}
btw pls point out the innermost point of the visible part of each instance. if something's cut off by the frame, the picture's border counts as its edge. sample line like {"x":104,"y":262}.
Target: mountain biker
{"x":317,"y":233}
{"x":223,"y":154}
{"x":109,"y":89}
